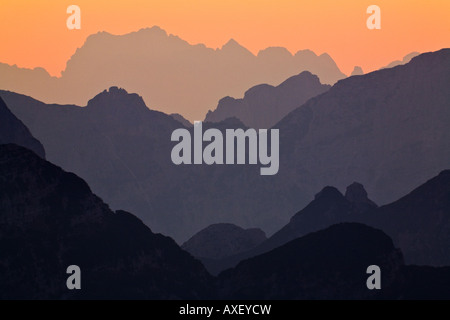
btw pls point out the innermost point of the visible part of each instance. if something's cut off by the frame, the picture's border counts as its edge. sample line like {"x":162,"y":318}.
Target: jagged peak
{"x":231,"y":43}
{"x":233,"y":46}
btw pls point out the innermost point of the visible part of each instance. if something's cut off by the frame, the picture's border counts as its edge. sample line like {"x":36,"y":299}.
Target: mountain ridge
{"x":154,"y":63}
{"x":264,"y":105}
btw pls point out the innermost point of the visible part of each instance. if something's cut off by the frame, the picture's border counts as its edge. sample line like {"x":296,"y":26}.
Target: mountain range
{"x":172,"y":75}
{"x":264,"y":105}
{"x":331,"y":264}
{"x":418,"y":223}
{"x":50,"y":219}
{"x":377,"y":128}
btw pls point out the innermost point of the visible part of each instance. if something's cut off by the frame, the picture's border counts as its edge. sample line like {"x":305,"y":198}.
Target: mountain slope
{"x":419,"y":223}
{"x":386,"y":129}
{"x":12,"y":130}
{"x":49,"y":220}
{"x":265,"y":105}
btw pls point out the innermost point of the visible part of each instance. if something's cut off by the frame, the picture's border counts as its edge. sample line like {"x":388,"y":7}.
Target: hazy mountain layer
{"x":172,"y":75}
{"x":387,"y":129}
{"x":265,"y":105}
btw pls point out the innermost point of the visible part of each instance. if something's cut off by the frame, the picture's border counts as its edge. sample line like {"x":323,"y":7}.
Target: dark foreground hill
{"x":49,"y":220}
{"x":328,"y":264}
{"x":332,"y":264}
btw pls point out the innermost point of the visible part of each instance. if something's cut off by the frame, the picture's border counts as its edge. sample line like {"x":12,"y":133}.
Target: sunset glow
{"x":34,"y":33}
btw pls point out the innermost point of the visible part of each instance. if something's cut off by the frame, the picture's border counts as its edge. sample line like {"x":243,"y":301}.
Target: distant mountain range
{"x":50,"y":219}
{"x":172,"y":75}
{"x":329,"y":207}
{"x":418,"y":223}
{"x":264,"y":105}
{"x":386,"y":129}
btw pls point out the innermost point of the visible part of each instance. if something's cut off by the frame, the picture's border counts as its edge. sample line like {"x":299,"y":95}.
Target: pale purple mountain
{"x":172,"y":75}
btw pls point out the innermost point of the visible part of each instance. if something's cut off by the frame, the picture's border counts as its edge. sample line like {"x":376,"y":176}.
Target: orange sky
{"x":34,"y":33}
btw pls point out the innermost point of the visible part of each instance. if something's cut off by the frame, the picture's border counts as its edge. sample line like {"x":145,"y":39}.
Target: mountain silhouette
{"x":379,"y":129}
{"x":223,"y":240}
{"x":12,"y":130}
{"x":172,"y":75}
{"x":357,"y":71}
{"x":122,"y":150}
{"x":419,"y":223}
{"x":49,"y":220}
{"x":386,"y":129}
{"x":329,"y":207}
{"x":405,"y":60}
{"x":328,"y":264}
{"x":331,"y":264}
{"x":265,"y":105}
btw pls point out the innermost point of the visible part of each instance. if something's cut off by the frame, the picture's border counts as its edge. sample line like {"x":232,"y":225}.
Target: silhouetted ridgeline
{"x":12,"y":130}
{"x":264,"y":105}
{"x":49,"y":220}
{"x":387,"y":129}
{"x":172,"y":75}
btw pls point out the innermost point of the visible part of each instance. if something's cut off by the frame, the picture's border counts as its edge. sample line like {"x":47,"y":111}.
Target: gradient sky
{"x":34,"y":33}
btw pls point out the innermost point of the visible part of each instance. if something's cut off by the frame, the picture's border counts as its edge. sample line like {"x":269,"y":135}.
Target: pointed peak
{"x":231,"y":43}
{"x":328,"y":193}
{"x":233,"y":46}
